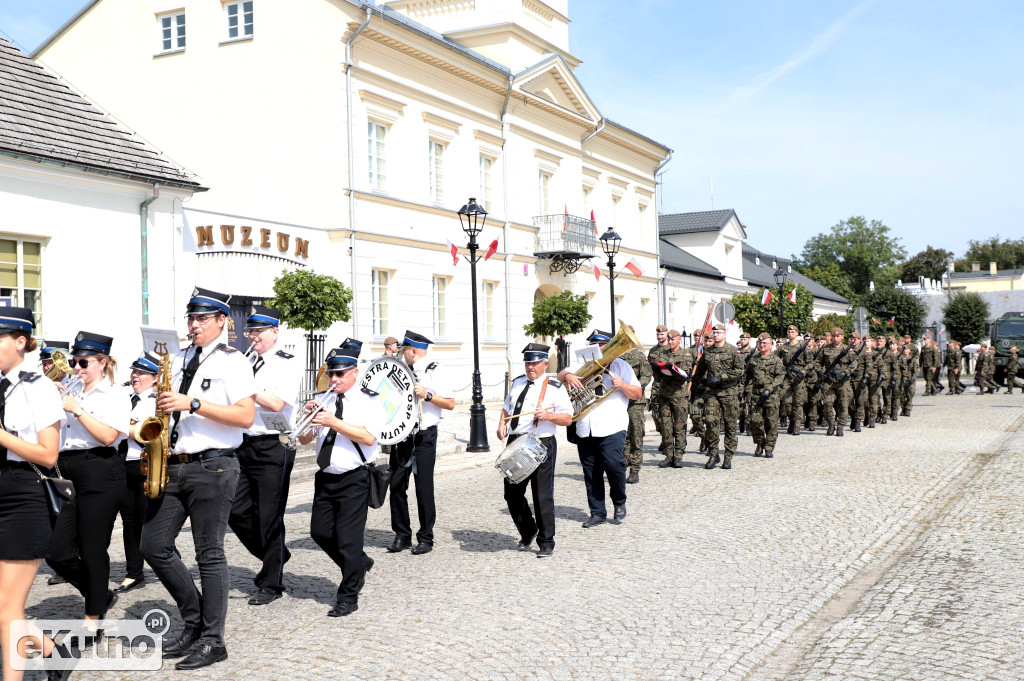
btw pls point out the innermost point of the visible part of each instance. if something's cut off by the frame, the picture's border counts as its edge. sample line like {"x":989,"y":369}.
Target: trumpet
{"x":291,"y":440}
{"x":251,"y":357}
{"x":74,"y":385}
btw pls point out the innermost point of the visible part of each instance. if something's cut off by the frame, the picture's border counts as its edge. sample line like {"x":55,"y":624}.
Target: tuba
{"x":591,"y":374}
{"x":154,"y":436}
{"x":60,"y":369}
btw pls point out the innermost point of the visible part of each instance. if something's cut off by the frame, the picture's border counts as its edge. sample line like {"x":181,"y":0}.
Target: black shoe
{"x":758,"y":450}
{"x":181,"y":645}
{"x":792,"y":428}
{"x":264,"y":596}
{"x":839,"y":431}
{"x":342,"y":609}
{"x":205,"y":655}
{"x":633,"y":478}
{"x":893,"y":418}
{"x":855,"y":426}
{"x":399,"y":545}
{"x":527,"y":542}
{"x":727,"y":465}
{"x":769,"y":453}
{"x":831,"y":430}
{"x":871,"y":423}
{"x":362,"y":578}
{"x":703,"y":446}
{"x":594,"y":520}
{"x":545,"y":551}
{"x":56,"y":579}
{"x":883,"y":420}
{"x":677,"y":462}
{"x":712,"y":462}
{"x":422,"y":548}
{"x":130,"y":586}
{"x":620,"y":511}
{"x":667,"y":463}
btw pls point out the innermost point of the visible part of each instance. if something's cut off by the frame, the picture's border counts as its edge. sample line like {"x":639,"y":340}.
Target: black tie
{"x":186,"y":382}
{"x":4,"y":385}
{"x":518,"y":408}
{"x":135,"y":401}
{"x":323,"y":458}
{"x":257,"y":365}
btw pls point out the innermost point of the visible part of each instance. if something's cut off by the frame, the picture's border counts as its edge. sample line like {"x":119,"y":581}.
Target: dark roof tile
{"x":703,"y":221}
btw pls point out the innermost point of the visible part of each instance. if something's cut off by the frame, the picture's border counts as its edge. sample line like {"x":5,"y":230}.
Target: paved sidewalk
{"x":892,"y":553}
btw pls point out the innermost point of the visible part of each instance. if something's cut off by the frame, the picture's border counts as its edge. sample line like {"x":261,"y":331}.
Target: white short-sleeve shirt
{"x":107,"y":404}
{"x":142,"y":411}
{"x":33,"y":403}
{"x":360,"y":409}
{"x":280,"y":376}
{"x":555,"y":397}
{"x":610,"y":416}
{"x":434,"y":378}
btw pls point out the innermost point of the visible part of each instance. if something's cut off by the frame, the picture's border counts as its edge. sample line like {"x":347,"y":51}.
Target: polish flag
{"x":455,"y":253}
{"x":892,"y":321}
{"x":565,"y":222}
{"x":633,"y":267}
{"x":594,"y":221}
{"x":766,"y":297}
{"x":492,"y":249}
{"x":792,"y":296}
{"x":597,"y":273}
{"x":874,"y":320}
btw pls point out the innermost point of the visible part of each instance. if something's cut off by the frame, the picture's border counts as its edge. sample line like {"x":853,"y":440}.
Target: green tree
{"x":863,"y":250}
{"x":884,"y":303}
{"x":929,"y":263}
{"x":311,"y":301}
{"x":1008,"y":253}
{"x":755,"y":318}
{"x":832,"y":277}
{"x":964,"y":315}
{"x":827,"y":322}
{"x":559,"y":315}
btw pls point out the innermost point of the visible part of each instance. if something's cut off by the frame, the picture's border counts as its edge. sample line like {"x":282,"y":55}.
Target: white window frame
{"x":244,"y":26}
{"x":175,"y":38}
{"x":435,"y":170}
{"x":543,"y":192}
{"x":490,"y":289}
{"x":376,"y":154}
{"x":440,"y":302}
{"x":18,"y":292}
{"x":379,"y":282}
{"x":486,"y":176}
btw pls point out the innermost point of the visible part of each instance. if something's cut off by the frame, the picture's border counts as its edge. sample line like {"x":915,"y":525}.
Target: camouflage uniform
{"x":675,"y":402}
{"x":745,"y":405}
{"x":655,"y":356}
{"x":697,"y":406}
{"x":637,"y":410}
{"x":838,"y":366}
{"x":909,"y":383}
{"x":721,"y":369}
{"x":987,"y":376}
{"x":794,"y":389}
{"x":859,"y":390}
{"x":896,"y":381}
{"x":930,"y":359}
{"x":814,"y":409}
{"x":954,"y":365}
{"x":765,"y":374}
{"x":884,"y":368}
{"x":869,"y":395}
{"x":1012,"y":369}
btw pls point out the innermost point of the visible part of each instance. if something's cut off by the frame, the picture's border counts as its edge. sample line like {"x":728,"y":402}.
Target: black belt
{"x":199,"y":456}
{"x":516,"y":436}
{"x":22,"y":465}
{"x":260,"y":438}
{"x":98,"y":451}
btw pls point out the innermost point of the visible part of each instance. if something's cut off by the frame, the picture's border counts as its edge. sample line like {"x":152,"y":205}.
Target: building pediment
{"x":552,"y":81}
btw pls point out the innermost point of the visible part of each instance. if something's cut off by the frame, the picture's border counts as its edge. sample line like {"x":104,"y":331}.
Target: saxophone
{"x":154,"y":434}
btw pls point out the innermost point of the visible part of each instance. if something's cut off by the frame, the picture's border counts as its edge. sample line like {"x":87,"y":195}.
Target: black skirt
{"x":24,"y":516}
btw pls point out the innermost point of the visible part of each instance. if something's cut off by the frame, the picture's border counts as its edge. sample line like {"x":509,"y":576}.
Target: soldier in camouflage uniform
{"x":655,"y":355}
{"x":794,"y":356}
{"x":895,"y":380}
{"x":909,"y":366}
{"x":954,"y":362}
{"x":814,"y":411}
{"x":838,"y":365}
{"x":1012,"y":368}
{"x":697,"y":392}
{"x":721,"y":369}
{"x":765,"y":375}
{"x":883,"y":366}
{"x":675,"y":399}
{"x":745,"y":351}
{"x":872,"y":384}
{"x":930,"y":359}
{"x":637,"y":412}
{"x":858,"y":385}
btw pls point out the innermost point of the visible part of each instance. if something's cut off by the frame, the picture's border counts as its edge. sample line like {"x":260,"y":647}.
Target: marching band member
{"x":346,"y":440}
{"x":46,"y":354}
{"x":78,"y":551}
{"x":551,"y":406}
{"x":211,"y":408}
{"x":133,"y":506}
{"x":416,"y":454}
{"x":257,"y":515}
{"x":32,"y":419}
{"x":602,"y":434}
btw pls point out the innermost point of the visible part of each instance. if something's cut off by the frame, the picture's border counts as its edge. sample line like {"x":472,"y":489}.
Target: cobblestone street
{"x":893,"y":553}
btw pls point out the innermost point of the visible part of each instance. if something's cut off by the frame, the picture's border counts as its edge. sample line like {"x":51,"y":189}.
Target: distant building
{"x":979,"y":280}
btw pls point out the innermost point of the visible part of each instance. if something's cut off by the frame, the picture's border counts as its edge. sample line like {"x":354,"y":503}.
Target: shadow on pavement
{"x":481,"y":541}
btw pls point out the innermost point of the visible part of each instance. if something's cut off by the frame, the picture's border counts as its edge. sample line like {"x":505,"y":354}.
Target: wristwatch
{"x":194,"y":405}
{"x":429,"y":397}
{"x":78,"y":412}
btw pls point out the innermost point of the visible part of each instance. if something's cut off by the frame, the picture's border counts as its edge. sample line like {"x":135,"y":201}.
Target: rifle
{"x":790,"y":372}
{"x":828,"y":372}
{"x":699,"y":343}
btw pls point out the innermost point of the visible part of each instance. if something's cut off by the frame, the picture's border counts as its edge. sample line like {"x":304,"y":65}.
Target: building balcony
{"x":564,"y":240}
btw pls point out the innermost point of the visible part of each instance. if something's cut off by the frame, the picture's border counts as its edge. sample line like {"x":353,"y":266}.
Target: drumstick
{"x":526,"y":413}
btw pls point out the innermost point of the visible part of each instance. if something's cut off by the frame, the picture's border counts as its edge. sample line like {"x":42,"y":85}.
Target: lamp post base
{"x":477,"y":429}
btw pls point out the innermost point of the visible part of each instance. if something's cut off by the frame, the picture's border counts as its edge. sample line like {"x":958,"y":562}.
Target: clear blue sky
{"x":804,"y":112}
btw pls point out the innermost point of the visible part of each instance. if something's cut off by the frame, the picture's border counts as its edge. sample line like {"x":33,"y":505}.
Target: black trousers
{"x":81,"y":537}
{"x":337,"y":524}
{"x":602,"y":456}
{"x":257,"y":514}
{"x":133,"y":513}
{"x":422,"y":448}
{"x":542,"y":485}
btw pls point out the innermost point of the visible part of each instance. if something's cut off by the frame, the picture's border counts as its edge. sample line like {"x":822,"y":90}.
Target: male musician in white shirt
{"x":602,"y":434}
{"x":211,"y":408}
{"x":416,"y":454}
{"x":346,"y":433}
{"x":265,"y":464}
{"x":555,"y":409}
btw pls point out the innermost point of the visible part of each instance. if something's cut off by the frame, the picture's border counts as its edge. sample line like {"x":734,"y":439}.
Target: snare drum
{"x":521,"y":458}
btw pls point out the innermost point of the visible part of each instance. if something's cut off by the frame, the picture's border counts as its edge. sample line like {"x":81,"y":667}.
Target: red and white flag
{"x":892,"y":321}
{"x":455,"y":253}
{"x":492,"y":249}
{"x":633,"y":267}
{"x":874,"y":320}
{"x":792,"y":296}
{"x":766,"y":297}
{"x":597,"y":273}
{"x":594,"y":221}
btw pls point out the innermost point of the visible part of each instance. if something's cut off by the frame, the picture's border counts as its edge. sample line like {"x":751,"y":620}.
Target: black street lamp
{"x":472,"y":218}
{"x":780,"y":279}
{"x":610,"y":242}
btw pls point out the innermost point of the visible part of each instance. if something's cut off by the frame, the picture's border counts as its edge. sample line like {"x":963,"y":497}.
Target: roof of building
{"x":758,"y":271}
{"x":675,"y":258}
{"x":702,"y":221}
{"x":982,"y":274}
{"x":42,"y":119}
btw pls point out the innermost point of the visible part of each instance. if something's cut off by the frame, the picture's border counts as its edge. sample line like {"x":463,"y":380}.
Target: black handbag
{"x":380,"y":480}
{"x":59,"y":492}
{"x":571,"y":436}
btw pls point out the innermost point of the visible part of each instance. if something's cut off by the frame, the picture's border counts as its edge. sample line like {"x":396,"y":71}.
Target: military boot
{"x":831,"y":430}
{"x":796,"y":429}
{"x":758,"y":450}
{"x":855,"y":426}
{"x":882,"y":419}
{"x":1009,"y":392}
{"x":792,"y":427}
{"x":712,"y":462}
{"x":871,"y":422}
{"x":839,"y":430}
{"x":727,"y":463}
{"x":703,"y":446}
{"x":769,"y":452}
{"x":892,"y":417}
{"x":784,"y":421}
{"x":743,"y":425}
{"x":634,"y":478}
{"x":666,"y":463}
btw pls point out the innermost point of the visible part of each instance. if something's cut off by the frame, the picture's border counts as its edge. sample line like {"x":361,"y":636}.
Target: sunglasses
{"x":338,"y":373}
{"x":83,"y":363}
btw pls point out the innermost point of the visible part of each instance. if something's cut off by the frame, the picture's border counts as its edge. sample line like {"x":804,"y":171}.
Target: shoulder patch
{"x":518,"y":377}
{"x":282,"y":353}
{"x":153,"y":396}
{"x":28,"y":376}
{"x":432,"y":365}
{"x":554,"y":383}
{"x":225,"y":348}
{"x":371,"y":393}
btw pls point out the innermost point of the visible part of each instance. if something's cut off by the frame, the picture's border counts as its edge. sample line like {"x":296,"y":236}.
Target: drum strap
{"x":540,"y":400}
